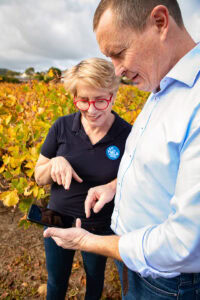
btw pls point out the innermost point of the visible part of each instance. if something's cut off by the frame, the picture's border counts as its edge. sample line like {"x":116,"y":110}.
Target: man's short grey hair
{"x":134,"y":13}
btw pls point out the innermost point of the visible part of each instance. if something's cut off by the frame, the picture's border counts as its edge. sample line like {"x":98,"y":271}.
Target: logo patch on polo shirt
{"x":113,"y":152}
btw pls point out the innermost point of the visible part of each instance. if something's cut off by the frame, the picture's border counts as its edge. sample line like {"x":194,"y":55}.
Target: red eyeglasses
{"x":99,"y":104}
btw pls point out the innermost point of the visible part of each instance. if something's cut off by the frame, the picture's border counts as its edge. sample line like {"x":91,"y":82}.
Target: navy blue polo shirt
{"x":96,"y":164}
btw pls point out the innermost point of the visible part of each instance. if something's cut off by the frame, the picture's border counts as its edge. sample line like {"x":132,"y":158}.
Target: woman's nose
{"x":91,"y":108}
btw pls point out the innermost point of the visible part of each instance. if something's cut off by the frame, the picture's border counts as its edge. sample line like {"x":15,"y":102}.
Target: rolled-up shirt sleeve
{"x":172,"y":247}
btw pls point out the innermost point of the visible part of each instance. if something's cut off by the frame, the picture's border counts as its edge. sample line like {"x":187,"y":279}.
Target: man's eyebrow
{"x":109,"y":53}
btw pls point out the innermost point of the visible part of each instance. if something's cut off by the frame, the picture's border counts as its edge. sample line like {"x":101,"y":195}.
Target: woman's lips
{"x":93,"y":118}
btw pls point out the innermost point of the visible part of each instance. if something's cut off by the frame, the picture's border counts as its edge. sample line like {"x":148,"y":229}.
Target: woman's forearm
{"x":43,"y":173}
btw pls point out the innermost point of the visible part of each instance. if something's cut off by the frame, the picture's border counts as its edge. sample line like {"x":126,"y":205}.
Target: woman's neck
{"x":96,"y":133}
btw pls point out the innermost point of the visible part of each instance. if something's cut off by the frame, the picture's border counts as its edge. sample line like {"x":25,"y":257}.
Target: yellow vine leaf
{"x":50,"y":73}
{"x":30,"y":165}
{"x":8,"y":119}
{"x":16,"y":171}
{"x":129,"y":116}
{"x":15,"y":162}
{"x":41,"y":192}
{"x":11,"y":132}
{"x":1,"y":128}
{"x":14,"y":149}
{"x":34,"y":108}
{"x":30,"y":172}
{"x":2,"y":169}
{"x":23,"y":157}
{"x":6,"y":159}
{"x":35,"y":190}
{"x":11,"y":100}
{"x":9,"y":198}
{"x":27,"y":192}
{"x":33,"y":151}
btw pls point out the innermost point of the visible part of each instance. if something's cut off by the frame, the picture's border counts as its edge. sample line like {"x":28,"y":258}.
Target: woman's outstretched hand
{"x":62,"y":172}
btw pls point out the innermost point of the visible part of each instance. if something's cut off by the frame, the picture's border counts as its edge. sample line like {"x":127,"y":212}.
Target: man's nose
{"x":119,"y":69}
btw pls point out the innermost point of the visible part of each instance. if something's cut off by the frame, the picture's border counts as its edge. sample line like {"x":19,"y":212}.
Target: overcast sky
{"x":45,"y":33}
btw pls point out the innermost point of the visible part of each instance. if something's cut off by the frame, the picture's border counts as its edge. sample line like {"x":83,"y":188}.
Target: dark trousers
{"x":59,"y":264}
{"x":183,"y":287}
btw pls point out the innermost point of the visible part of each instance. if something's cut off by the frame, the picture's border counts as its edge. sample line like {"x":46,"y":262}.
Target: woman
{"x":82,"y":150}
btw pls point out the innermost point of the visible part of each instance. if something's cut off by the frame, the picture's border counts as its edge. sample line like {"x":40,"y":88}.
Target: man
{"x":156,"y":217}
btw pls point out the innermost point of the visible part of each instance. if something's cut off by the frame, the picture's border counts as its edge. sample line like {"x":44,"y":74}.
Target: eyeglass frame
{"x":93,"y":102}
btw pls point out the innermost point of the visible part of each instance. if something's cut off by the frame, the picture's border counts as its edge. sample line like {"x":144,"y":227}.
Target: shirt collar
{"x":76,"y":125}
{"x":187,"y":68}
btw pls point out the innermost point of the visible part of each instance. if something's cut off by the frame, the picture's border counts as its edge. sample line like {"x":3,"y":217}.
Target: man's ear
{"x":160,"y":18}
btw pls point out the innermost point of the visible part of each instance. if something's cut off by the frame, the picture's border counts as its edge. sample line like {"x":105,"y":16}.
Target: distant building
{"x":22,"y":77}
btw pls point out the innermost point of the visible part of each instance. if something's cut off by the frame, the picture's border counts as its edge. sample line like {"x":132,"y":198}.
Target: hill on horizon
{"x":7,"y":72}
{"x":3,"y":71}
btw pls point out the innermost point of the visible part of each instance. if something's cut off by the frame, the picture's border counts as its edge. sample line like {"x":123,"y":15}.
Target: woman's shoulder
{"x":63,"y":124}
{"x":65,"y":120}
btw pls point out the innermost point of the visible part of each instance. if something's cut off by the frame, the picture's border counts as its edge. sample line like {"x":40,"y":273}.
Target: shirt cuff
{"x":133,"y":255}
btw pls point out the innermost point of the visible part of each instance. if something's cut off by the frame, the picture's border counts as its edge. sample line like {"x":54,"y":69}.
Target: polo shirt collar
{"x":114,"y":131}
{"x":76,"y":125}
{"x":187,"y":68}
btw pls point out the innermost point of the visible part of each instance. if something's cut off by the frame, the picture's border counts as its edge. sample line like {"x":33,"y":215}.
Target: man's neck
{"x":181,"y":45}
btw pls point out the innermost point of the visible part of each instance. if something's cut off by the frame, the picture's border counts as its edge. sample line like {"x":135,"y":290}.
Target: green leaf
{"x":19,"y":108}
{"x":25,"y":204}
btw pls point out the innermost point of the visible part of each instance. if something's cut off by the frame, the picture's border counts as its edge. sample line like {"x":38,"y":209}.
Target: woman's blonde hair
{"x":94,"y":72}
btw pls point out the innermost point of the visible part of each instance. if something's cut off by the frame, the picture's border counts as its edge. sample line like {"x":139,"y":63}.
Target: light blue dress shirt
{"x":157,"y":203}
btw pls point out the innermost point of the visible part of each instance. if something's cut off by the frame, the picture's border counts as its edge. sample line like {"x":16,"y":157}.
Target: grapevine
{"x":27,"y":111}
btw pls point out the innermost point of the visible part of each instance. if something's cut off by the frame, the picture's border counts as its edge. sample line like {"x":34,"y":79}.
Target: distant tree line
{"x":30,"y":74}
{"x":47,"y":76}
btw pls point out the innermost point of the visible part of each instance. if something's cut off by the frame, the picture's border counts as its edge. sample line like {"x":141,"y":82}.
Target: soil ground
{"x":22,"y":264}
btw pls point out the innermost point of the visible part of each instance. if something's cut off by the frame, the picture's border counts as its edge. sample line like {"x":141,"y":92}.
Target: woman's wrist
{"x":43,"y":173}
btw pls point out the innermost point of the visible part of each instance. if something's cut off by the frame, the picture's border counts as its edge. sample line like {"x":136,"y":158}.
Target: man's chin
{"x":143,"y":87}
{"x":140,"y":86}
